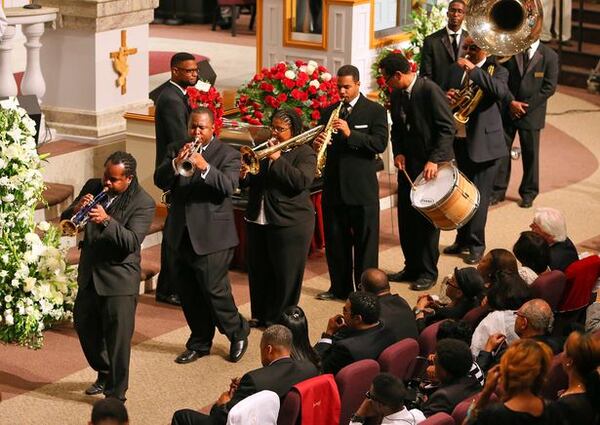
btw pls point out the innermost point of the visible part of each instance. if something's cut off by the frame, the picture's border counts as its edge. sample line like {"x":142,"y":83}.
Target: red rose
{"x":282,"y":97}
{"x":266,"y":87}
{"x":296,"y":94}
{"x":258,"y":114}
{"x":258,"y":77}
{"x":290,"y":84}
{"x":281,"y":67}
{"x":312,"y":90}
{"x":254,"y":121}
{"x":299,"y":111}
{"x":243,"y":110}
{"x":270,"y":100}
{"x":315,"y":115}
{"x":299,"y":63}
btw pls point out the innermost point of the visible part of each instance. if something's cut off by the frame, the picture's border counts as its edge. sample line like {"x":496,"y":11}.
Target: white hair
{"x":552,"y":222}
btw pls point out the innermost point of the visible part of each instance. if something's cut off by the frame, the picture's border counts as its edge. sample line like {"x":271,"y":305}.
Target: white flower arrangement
{"x":423,"y":24}
{"x":37,"y":288}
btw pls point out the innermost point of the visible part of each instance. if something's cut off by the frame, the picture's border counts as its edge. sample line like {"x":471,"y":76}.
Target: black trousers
{"x":206,"y":298}
{"x":192,"y":417}
{"x":351,"y":244}
{"x":276,"y":259}
{"x":105,"y":325}
{"x":165,"y":286}
{"x":419,"y":238}
{"x":482,"y":174}
{"x":530,"y":152}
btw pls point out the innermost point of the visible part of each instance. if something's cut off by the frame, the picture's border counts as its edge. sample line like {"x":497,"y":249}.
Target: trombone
{"x":251,"y":157}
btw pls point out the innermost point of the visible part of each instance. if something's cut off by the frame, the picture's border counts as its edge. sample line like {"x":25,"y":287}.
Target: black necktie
{"x":345,"y":111}
{"x":455,"y":44}
{"x":525,"y":60}
{"x":405,"y":102}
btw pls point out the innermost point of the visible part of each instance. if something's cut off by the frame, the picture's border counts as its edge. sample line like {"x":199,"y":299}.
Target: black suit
{"x":477,"y":154}
{"x":279,"y":377}
{"x":422,"y":131}
{"x":562,"y":255}
{"x":170,"y":124}
{"x":437,"y":55}
{"x":201,"y":235}
{"x":277,"y":250}
{"x":108,"y":279}
{"x":533,"y":86}
{"x":445,"y":398}
{"x":351,"y":195}
{"x":350,"y":345}
{"x":397,"y":316}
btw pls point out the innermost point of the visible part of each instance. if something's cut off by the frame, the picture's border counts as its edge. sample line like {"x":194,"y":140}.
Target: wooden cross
{"x":120,"y":64}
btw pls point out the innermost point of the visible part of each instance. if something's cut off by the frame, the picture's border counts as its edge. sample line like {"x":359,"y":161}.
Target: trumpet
{"x":251,"y":157}
{"x":74,"y":225}
{"x":329,"y":131}
{"x":187,"y":168}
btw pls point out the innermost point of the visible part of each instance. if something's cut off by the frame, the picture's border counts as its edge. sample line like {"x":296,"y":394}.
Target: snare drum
{"x":448,"y":201}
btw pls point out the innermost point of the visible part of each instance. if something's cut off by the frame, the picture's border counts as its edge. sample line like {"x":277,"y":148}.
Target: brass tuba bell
{"x":504,"y":27}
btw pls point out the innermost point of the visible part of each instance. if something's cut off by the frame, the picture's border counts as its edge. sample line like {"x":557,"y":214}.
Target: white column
{"x":8,"y":85}
{"x":33,"y":80}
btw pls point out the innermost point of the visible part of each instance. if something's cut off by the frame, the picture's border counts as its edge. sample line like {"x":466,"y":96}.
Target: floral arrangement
{"x":423,"y":24}
{"x":306,"y":87}
{"x":37,"y":288}
{"x":383,"y":94}
{"x":209,"y":97}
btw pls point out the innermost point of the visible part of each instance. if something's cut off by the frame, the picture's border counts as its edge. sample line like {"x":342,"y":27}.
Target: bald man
{"x":395,"y":314}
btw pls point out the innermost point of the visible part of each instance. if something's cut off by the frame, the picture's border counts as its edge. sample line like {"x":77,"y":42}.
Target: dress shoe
{"x":526,"y":203}
{"x":496,"y":199}
{"x":237,"y":350}
{"x":189,"y":356}
{"x":566,"y":43}
{"x":422,"y":284}
{"x":97,"y":387}
{"x":401,"y":276}
{"x":455,"y":249}
{"x":473,"y":257}
{"x":326,"y":296}
{"x":172,"y":299}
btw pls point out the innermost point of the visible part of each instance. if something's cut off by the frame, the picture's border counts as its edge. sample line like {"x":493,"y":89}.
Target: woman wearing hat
{"x":464,"y":288}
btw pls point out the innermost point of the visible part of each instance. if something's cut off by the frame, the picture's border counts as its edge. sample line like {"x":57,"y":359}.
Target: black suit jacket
{"x":350,"y":345}
{"x":437,"y":55}
{"x":448,"y":396}
{"x":350,"y":174}
{"x":170,"y":119}
{"x":562,"y":255}
{"x":397,"y":316}
{"x":203,"y":206}
{"x":279,"y":377}
{"x":428,"y":133}
{"x":485,"y":137}
{"x":110,"y":256}
{"x":285,"y":187}
{"x":533,"y":87}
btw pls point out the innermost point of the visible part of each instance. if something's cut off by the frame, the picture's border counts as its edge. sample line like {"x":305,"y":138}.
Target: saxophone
{"x":329,"y":131}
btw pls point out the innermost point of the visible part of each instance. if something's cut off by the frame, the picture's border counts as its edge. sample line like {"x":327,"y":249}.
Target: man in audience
{"x":452,"y":363}
{"x":550,"y":224}
{"x":533,"y":76}
{"x":395,"y":312}
{"x":442,"y":48}
{"x":356,"y":334}
{"x":385,"y":399}
{"x":533,"y":320}
{"x":109,"y":411}
{"x":479,"y":143}
{"x":278,"y":374}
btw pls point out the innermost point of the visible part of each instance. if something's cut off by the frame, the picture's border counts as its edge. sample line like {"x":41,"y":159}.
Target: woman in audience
{"x":464,"y":288}
{"x":580,"y":403}
{"x":506,"y":295}
{"x":520,"y":376}
{"x":550,"y":224}
{"x":494,"y":261}
{"x":294,"y":319}
{"x":533,"y":252}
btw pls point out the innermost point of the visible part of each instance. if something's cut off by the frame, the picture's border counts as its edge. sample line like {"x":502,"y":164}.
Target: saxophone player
{"x":280,"y":222}
{"x":479,"y":144}
{"x":350,"y":187}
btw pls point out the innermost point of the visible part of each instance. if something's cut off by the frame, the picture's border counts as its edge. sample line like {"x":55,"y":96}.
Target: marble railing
{"x":33,"y":23}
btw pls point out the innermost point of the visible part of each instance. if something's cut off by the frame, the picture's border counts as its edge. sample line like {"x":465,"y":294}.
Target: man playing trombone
{"x":109,"y":270}
{"x":201,"y":235}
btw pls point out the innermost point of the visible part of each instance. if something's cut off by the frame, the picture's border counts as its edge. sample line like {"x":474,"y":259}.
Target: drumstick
{"x":409,"y":180}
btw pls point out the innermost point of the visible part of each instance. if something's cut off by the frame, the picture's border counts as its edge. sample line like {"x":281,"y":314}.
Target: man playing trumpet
{"x":280,"y":221}
{"x":479,"y":142}
{"x":201,"y":235}
{"x":109,"y":271}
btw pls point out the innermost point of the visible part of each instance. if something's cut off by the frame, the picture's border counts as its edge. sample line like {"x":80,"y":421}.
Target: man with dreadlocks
{"x":201,"y":236}
{"x":109,"y":271}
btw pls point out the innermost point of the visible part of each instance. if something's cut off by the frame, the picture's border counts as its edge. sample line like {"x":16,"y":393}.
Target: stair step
{"x":55,"y":194}
{"x":591,"y":32}
{"x":590,"y":13}
{"x":587,"y":58}
{"x":573,"y":76}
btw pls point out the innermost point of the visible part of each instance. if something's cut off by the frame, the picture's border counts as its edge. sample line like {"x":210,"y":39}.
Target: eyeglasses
{"x":471,"y":47}
{"x":387,"y":80}
{"x":371,"y":397}
{"x":449,"y":283}
{"x":188,"y":71}
{"x":279,"y":130}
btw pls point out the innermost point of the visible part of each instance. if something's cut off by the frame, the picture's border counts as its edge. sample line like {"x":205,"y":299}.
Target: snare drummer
{"x":422,"y":135}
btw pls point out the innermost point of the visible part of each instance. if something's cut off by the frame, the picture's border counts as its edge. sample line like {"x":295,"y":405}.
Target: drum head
{"x":430,"y":193}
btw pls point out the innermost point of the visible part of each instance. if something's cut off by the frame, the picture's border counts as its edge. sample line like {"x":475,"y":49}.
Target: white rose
{"x":44,"y":226}
{"x":8,"y":298}
{"x":29,"y":310}
{"x":30,"y":257}
{"x":9,"y":319}
{"x":310,"y":68}
{"x":289,"y":74}
{"x":29,"y":283}
{"x":302,"y":68}
{"x":315,"y":84}
{"x":15,"y":283}
{"x":9,"y":197}
{"x":326,"y":76}
{"x":12,"y":151}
